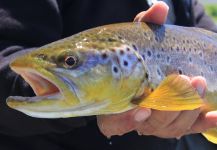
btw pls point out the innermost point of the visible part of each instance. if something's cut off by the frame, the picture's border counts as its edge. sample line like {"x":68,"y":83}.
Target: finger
{"x":181,"y":125}
{"x":200,"y":84}
{"x":204,"y":122}
{"x":122,"y":123}
{"x":156,"y":14}
{"x":157,"y":121}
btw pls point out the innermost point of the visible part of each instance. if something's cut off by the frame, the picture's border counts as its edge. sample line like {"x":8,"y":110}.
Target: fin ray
{"x":173,"y":94}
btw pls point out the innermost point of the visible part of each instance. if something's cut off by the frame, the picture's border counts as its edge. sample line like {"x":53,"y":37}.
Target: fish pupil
{"x":70,"y":61}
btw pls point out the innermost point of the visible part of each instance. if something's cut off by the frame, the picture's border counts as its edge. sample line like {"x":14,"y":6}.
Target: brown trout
{"x":114,"y":68}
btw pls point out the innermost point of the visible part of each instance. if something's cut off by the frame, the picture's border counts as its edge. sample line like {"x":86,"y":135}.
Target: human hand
{"x":165,"y":124}
{"x":159,"y":123}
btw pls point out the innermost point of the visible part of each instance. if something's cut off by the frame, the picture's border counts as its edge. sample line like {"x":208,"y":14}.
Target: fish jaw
{"x":52,"y":95}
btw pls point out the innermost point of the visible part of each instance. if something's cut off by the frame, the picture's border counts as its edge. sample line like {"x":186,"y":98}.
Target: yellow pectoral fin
{"x":173,"y":94}
{"x":211,"y":135}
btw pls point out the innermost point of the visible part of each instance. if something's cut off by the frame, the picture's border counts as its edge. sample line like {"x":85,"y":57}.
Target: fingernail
{"x":142,"y":114}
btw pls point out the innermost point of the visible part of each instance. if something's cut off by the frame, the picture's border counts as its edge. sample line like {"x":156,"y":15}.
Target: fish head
{"x":79,"y":76}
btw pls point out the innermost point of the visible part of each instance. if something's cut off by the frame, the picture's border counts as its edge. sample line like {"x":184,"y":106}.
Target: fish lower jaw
{"x":78,"y":111}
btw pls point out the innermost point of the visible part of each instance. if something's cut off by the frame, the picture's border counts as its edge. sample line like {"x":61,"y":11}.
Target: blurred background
{"x":211,"y":8}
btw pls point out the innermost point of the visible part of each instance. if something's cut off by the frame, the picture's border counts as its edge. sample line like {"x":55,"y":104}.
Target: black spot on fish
{"x":143,"y":56}
{"x":149,"y":53}
{"x":201,"y":54}
{"x":158,"y":56}
{"x":134,"y":47}
{"x":122,"y":52}
{"x":195,"y":49}
{"x":188,"y":41}
{"x":115,"y":69}
{"x":128,"y":49}
{"x":174,"y":38}
{"x":111,"y":40}
{"x":168,"y":59}
{"x":152,"y":90}
{"x":139,"y":59}
{"x":162,"y":49}
{"x":190,"y":59}
{"x":180,"y":71}
{"x":146,"y":75}
{"x":156,"y":39}
{"x":189,"y":49}
{"x":177,"y":48}
{"x":158,"y":72}
{"x":145,"y":34}
{"x":120,"y":37}
{"x":183,"y":41}
{"x":205,"y":62}
{"x":104,"y":56}
{"x":125,"y":63}
{"x":113,"y":50}
{"x":211,"y":68}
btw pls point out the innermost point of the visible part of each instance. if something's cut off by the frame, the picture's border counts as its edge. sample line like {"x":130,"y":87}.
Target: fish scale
{"x":189,"y":42}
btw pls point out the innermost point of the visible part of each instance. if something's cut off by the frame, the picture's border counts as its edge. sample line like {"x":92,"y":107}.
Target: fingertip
{"x":142,"y":114}
{"x":199,"y":83}
{"x":157,"y":13}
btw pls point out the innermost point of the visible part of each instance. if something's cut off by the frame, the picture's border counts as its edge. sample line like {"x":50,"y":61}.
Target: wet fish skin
{"x":153,"y":53}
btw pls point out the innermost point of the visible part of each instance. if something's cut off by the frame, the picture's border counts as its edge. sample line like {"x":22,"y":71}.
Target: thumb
{"x":156,"y":14}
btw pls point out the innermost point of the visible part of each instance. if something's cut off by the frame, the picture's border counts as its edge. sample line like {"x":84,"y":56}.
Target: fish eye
{"x":71,"y":61}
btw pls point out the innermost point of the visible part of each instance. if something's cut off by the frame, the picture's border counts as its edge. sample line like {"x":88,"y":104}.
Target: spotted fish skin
{"x":104,"y":70}
{"x":172,"y":49}
{"x":124,"y":57}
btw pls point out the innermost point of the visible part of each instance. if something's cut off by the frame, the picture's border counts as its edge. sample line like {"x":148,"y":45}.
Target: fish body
{"x":114,"y":68}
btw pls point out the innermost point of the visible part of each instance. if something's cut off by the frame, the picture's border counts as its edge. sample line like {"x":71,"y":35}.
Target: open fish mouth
{"x":50,"y":100}
{"x":41,"y":85}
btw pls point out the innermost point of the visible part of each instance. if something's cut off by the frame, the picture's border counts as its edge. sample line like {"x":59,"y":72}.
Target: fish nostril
{"x":42,"y":56}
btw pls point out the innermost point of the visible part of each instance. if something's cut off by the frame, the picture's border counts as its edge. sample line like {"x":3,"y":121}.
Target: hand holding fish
{"x":164,"y":124}
{"x":153,"y":77}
